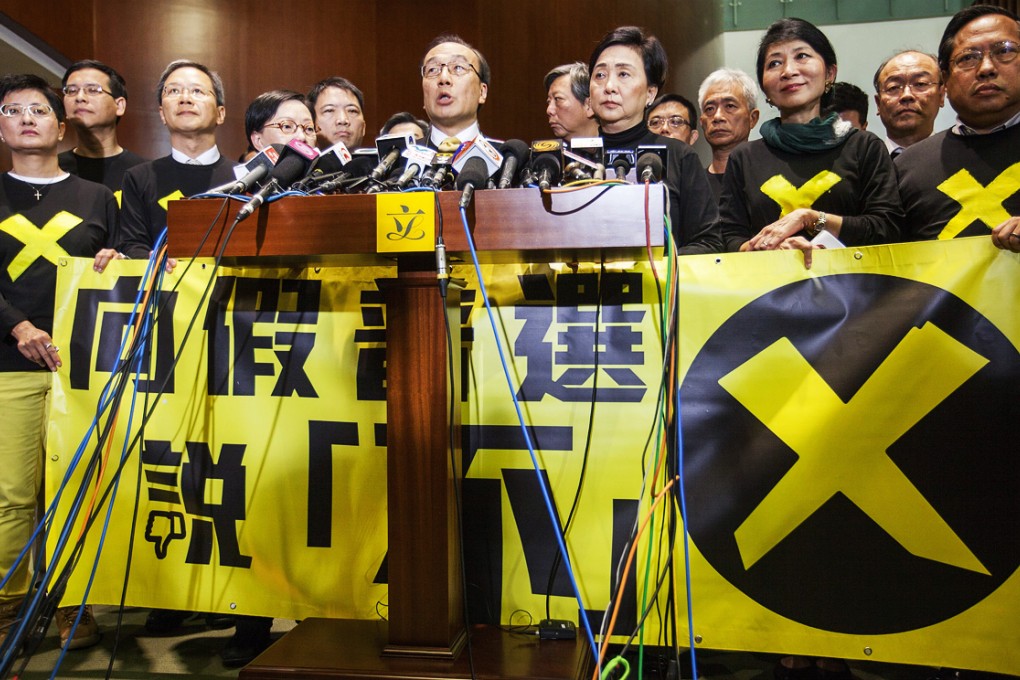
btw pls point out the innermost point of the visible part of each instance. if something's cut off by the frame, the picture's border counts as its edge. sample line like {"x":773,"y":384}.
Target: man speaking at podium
{"x":455,"y":82}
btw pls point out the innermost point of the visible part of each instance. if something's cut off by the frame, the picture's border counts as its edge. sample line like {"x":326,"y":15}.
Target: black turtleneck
{"x":692,"y":207}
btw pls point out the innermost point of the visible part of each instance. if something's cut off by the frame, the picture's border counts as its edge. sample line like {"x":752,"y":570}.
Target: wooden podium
{"x":425,"y":634}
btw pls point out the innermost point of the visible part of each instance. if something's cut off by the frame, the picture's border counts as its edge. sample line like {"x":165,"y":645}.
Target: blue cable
{"x":146,"y":325}
{"x":284,"y":194}
{"x":243,"y":198}
{"x":683,"y":515}
{"x":102,"y":406}
{"x":105,"y":400}
{"x":527,"y":439}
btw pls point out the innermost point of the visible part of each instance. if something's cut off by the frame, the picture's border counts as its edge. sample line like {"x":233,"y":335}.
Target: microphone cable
{"x":31,"y":613}
{"x":554,"y":569}
{"x":527,"y":437}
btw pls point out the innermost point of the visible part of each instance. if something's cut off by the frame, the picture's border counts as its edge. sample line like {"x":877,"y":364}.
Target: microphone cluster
{"x":398,"y":163}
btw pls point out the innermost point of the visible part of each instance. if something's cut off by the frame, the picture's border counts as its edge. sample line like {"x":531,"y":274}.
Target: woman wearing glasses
{"x":276,"y":117}
{"x":628,"y":69}
{"x":45,"y":214}
{"x":807,"y":173}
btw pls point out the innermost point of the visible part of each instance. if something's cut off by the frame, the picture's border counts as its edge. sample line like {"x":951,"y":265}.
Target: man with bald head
{"x":965,"y":181}
{"x":455,"y":83}
{"x":908,"y":94}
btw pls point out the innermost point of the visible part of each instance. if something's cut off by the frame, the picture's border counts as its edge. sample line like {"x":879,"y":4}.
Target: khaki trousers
{"x":24,"y":411}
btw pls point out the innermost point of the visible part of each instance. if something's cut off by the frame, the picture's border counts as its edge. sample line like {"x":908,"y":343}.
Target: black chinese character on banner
{"x":564,"y":347}
{"x":238,"y":330}
{"x":371,"y":342}
{"x":212,"y":496}
{"x":101,"y":320}
{"x":485,"y":521}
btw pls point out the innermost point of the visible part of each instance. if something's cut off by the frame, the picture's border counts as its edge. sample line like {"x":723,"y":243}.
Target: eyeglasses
{"x":895,"y":89}
{"x":91,"y":89}
{"x":675,"y":122}
{"x":1000,"y":52}
{"x":177,"y":91}
{"x":457,"y":69}
{"x":289,"y":127}
{"x":35,"y":110}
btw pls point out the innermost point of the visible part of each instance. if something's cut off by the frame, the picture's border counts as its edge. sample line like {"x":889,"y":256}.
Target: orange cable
{"x":113,"y":427}
{"x":626,"y":573}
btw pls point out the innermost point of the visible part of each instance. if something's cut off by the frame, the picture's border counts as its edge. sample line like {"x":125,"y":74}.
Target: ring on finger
{"x":1016,"y":236}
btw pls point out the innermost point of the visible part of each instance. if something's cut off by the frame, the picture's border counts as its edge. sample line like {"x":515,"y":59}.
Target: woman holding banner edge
{"x":808,"y":173}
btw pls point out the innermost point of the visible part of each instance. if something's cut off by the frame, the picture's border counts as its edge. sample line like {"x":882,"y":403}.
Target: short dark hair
{"x":878,"y":71}
{"x":484,"y":73}
{"x":793,"y":28}
{"x":849,"y":97}
{"x":217,"y":82}
{"x":579,"y":77}
{"x":264,"y":107}
{"x":118,"y":87}
{"x":337,"y":82}
{"x":653,"y":54}
{"x":961,"y":19}
{"x":17,"y":82}
{"x":692,"y":110}
{"x":402,"y":118}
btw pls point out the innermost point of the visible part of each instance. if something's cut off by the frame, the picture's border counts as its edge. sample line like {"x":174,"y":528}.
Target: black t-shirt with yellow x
{"x":39,"y":224}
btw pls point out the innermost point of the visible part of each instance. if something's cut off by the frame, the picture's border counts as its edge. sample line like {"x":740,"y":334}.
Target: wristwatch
{"x":818,"y":225}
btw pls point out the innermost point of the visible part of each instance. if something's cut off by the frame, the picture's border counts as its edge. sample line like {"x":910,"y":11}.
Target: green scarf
{"x":821,"y":134}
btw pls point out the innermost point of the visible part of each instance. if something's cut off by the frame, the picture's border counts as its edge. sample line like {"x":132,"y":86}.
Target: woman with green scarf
{"x":808,"y":173}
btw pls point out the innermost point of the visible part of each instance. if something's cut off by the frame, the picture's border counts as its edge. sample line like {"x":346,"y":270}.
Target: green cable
{"x":613,"y":663}
{"x":658,"y":439}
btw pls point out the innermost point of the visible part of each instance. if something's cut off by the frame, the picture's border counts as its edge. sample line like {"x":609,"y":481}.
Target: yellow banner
{"x":239,"y":454}
{"x":849,"y":481}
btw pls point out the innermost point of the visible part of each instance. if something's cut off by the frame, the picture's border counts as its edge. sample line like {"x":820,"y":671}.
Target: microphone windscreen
{"x":332,"y":159}
{"x":518,"y":148}
{"x":361,"y":166}
{"x":652,"y":163}
{"x":475,"y":172}
{"x":514,"y":148}
{"x":549,"y":163}
{"x":294,"y":162}
{"x":289,"y":170}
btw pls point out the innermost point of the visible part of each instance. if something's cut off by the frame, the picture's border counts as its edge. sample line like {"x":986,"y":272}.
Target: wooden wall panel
{"x":255,"y":47}
{"x":65,"y":26}
{"x":403,"y":29}
{"x":529,"y":37}
{"x":377,"y":45}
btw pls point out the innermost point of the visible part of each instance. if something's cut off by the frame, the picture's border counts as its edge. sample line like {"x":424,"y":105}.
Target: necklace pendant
{"x":38,"y":196}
